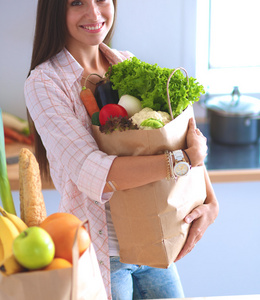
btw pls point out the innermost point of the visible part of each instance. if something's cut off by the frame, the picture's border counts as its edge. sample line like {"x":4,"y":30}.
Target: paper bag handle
{"x":167,"y":87}
{"x":75,"y":260}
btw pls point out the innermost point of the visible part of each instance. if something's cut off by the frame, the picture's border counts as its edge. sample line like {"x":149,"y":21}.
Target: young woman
{"x":70,"y":43}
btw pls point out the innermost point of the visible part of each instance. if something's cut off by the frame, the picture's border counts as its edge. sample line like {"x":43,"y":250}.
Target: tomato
{"x":111,"y":110}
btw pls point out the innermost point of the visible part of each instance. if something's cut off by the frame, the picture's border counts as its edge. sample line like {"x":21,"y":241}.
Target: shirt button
{"x":100,"y":232}
{"x":96,"y":202}
{"x":101,"y":262}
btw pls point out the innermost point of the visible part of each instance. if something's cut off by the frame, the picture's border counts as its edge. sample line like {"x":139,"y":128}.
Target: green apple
{"x":34,"y":248}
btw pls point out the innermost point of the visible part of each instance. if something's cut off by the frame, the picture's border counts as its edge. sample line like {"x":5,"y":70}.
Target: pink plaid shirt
{"x":78,"y":169}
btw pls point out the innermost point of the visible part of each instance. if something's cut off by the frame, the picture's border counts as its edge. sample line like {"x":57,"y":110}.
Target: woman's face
{"x":88,"y":21}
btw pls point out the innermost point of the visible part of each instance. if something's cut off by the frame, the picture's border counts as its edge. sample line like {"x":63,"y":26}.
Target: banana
{"x":8,"y":232}
{"x":2,"y":254}
{"x":11,"y":266}
{"x":19,"y":223}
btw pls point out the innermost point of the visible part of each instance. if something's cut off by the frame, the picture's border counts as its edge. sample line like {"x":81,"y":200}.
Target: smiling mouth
{"x":93,"y":27}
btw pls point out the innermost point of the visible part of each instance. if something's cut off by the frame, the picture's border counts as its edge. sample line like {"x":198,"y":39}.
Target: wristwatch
{"x":181,"y":167}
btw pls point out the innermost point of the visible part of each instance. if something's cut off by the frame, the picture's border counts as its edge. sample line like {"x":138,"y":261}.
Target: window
{"x":228,"y":45}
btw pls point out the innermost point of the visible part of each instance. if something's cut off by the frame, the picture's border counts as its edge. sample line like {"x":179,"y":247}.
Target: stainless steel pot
{"x":234,"y":119}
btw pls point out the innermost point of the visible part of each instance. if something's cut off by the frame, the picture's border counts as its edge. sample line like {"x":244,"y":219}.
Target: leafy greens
{"x":148,"y":83}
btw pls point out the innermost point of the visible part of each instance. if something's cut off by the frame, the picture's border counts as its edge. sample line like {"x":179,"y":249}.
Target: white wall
{"x":226,"y":261}
{"x":17,"y":19}
{"x":51,"y":199}
{"x":158,"y":31}
{"x":161,"y":32}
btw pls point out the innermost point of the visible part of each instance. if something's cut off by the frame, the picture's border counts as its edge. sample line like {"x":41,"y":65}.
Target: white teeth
{"x":93,"y":27}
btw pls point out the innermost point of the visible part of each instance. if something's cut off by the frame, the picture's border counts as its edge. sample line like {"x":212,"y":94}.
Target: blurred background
{"x":217,"y":42}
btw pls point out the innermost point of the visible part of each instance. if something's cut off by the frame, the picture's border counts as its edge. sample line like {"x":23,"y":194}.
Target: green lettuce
{"x":148,"y":83}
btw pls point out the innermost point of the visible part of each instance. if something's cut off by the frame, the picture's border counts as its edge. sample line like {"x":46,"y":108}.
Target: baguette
{"x":32,"y":206}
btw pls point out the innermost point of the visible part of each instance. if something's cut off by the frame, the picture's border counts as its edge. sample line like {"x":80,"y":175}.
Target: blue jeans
{"x":141,"y":282}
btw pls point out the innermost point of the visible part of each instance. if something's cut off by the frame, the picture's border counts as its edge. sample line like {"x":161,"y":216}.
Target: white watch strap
{"x":178,"y":155}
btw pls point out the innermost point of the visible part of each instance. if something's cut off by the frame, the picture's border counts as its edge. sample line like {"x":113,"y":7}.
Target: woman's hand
{"x":196,"y":143}
{"x":200,"y":218}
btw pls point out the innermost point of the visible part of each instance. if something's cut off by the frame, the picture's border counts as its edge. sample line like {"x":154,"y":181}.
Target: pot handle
{"x":167,"y":87}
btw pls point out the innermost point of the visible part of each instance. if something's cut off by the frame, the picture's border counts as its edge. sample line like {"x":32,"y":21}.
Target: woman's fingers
{"x":192,"y":128}
{"x":192,"y":125}
{"x":195,"y":234}
{"x":195,"y":214}
{"x":196,"y":144}
{"x":198,"y":131}
{"x":200,"y":219}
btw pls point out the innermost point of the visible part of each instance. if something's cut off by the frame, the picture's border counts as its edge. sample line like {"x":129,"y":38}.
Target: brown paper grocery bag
{"x":146,"y":142}
{"x":148,"y":220}
{"x":82,"y":282}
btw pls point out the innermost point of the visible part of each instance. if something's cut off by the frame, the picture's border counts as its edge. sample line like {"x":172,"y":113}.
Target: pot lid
{"x":234,"y":104}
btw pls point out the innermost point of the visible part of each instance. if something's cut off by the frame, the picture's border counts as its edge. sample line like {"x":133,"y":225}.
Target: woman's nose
{"x":93,"y":11}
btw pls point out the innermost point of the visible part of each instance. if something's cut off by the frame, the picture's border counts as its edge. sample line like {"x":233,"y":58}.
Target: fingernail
{"x":188,"y":220}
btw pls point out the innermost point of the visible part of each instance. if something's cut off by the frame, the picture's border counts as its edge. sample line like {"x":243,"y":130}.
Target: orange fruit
{"x":62,"y":228}
{"x":58,"y":263}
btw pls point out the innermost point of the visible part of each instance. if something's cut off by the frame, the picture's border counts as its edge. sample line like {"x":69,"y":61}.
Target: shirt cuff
{"x":93,"y":175}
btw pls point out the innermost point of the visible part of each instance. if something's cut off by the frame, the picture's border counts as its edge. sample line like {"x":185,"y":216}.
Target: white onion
{"x":131,"y":104}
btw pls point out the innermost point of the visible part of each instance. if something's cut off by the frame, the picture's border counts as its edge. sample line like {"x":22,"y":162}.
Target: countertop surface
{"x":231,"y":163}
{"x":222,"y":157}
{"x":224,"y":163}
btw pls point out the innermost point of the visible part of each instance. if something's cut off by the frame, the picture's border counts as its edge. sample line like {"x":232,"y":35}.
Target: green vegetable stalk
{"x":148,"y":83}
{"x":5,"y":189}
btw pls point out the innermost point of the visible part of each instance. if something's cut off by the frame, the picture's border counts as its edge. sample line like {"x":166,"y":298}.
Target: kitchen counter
{"x":224,"y":163}
{"x":227,"y":163}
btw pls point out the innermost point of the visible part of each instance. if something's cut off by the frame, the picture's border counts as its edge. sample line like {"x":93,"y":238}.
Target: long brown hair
{"x":49,"y":39}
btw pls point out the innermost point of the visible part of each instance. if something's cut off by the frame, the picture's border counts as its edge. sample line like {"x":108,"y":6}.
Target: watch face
{"x":181,"y":168}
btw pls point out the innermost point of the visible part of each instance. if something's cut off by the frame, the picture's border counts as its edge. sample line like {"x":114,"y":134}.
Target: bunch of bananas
{"x":10,"y":227}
